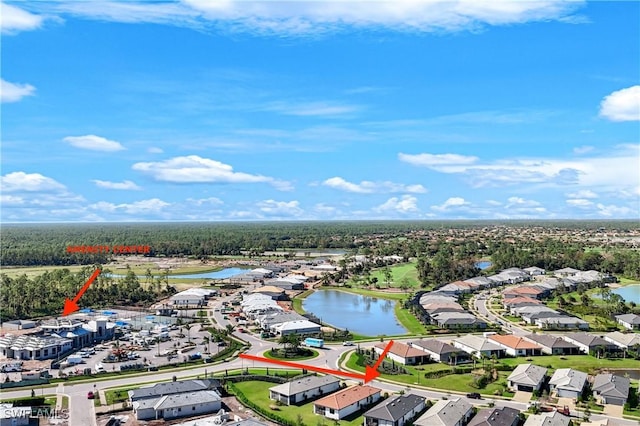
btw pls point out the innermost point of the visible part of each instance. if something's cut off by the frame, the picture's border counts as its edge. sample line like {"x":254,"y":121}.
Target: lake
{"x":370,"y":316}
{"x":630,"y":293}
{"x":219,"y":275}
{"x":484,"y":264}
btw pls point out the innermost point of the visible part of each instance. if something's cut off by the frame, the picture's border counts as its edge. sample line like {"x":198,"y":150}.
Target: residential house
{"x":169,"y":388}
{"x":530,"y":314}
{"x":629,"y":321}
{"x":433,"y":308}
{"x":519,"y":302}
{"x":527,"y":378}
{"x":516,"y":345}
{"x":446,"y":412}
{"x":441,"y":351}
{"x":535,"y":271}
{"x":611,"y":389}
{"x":269,"y":320}
{"x":457,"y":287}
{"x":502,"y":416}
{"x":458,"y":320}
{"x":300,"y":390}
{"x":478,"y":346}
{"x":395,"y":411}
{"x":553,"y":345}
{"x":548,"y":419}
{"x":276,"y":293}
{"x":403,"y":353}
{"x":624,"y":340}
{"x":561,"y":322}
{"x":568,"y":383}
{"x":590,"y":343}
{"x":532,"y":291}
{"x":177,"y":405}
{"x":340,"y":404}
{"x":481,"y":282}
{"x":566,"y":272}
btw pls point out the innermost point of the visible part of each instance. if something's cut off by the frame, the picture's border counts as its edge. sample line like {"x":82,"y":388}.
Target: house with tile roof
{"x":340,"y":404}
{"x":553,"y":345}
{"x":496,"y":416}
{"x":516,"y":345}
{"x":403,"y":353}
{"x":451,"y":412}
{"x":300,"y":390}
{"x":478,"y":346}
{"x":568,"y":383}
{"x":440,"y":351}
{"x":527,"y":378}
{"x":611,"y":389}
{"x":395,"y":411}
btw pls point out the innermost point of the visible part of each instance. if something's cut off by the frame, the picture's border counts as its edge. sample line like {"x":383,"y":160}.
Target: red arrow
{"x":370,"y":372}
{"x":71,"y":306}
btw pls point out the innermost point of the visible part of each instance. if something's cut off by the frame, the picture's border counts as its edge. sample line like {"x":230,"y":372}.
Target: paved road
{"x":82,"y":412}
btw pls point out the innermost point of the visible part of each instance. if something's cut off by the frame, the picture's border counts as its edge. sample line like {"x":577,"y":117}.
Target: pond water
{"x":630,"y":293}
{"x":484,"y":264}
{"x":370,"y":316}
{"x":222,"y":274}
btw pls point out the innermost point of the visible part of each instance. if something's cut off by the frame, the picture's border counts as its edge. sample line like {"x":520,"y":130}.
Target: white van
{"x":100,"y":368}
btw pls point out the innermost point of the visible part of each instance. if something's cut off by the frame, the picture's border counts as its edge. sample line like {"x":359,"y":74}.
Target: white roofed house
{"x":534,"y":271}
{"x":629,"y":321}
{"x":527,"y":378}
{"x":452,"y":412}
{"x":478,"y":346}
{"x":568,"y":383}
{"x":300,"y":390}
{"x":566,"y":272}
{"x":627,"y":341}
{"x":457,"y":320}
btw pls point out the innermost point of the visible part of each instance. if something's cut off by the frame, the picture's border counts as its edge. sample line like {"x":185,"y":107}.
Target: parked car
{"x":474,"y":395}
{"x":347,"y":343}
{"x":90,"y":395}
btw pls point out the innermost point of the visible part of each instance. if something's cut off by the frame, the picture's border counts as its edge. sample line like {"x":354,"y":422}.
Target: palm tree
{"x":229,"y":328}
{"x":206,"y":341}
{"x":188,"y":328}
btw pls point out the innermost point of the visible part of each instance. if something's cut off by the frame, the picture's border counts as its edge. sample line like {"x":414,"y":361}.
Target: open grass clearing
{"x":586,"y":363}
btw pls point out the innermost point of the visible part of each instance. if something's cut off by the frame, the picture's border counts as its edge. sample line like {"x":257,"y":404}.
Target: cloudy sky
{"x":304,"y":110}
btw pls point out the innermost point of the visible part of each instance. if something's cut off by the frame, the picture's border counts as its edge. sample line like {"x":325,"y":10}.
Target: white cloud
{"x":405,"y":204}
{"x":205,"y":201}
{"x":580,"y":202}
{"x":494,"y":203}
{"x":150,"y":206}
{"x":14,"y":19}
{"x":13,"y":92}
{"x":582,"y":149}
{"x":433,"y":160}
{"x":368,"y":187}
{"x":126,"y":185}
{"x":610,"y":170}
{"x":29,"y":182}
{"x":312,"y":17}
{"x":583,"y":193}
{"x":94,"y":143}
{"x":453,"y":202}
{"x":155,"y":150}
{"x":521,"y":202}
{"x":311,"y":109}
{"x":280,"y":208}
{"x":616,"y":211}
{"x":195,"y":169}
{"x":622,"y":105}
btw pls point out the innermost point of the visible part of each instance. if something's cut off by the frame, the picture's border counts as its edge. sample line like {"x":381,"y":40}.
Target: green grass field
{"x":314,"y":354}
{"x":408,"y":320}
{"x":258,"y":393}
{"x":398,"y":273}
{"x":586,"y":363}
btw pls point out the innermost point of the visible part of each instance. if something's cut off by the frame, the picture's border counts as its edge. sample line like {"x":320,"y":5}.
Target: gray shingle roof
{"x":169,"y":388}
{"x":305,"y":384}
{"x":503,"y":416}
{"x":527,"y":374}
{"x":568,"y":379}
{"x":629,"y":318}
{"x":435,"y":346}
{"x":182,"y":399}
{"x":444,"y":413}
{"x":550,"y":341}
{"x":395,"y":407}
{"x":611,"y":385}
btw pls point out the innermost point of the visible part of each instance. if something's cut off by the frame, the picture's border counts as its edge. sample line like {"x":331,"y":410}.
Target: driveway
{"x":522,"y":396}
{"x":613,"y":410}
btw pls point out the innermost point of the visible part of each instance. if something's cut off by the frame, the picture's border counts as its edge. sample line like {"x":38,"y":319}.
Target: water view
{"x":366,"y":315}
{"x":630,"y":293}
{"x":484,"y":264}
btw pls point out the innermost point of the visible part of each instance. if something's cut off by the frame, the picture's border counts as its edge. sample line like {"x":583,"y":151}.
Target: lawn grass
{"x":117,"y":395}
{"x":452,"y":382}
{"x":408,"y":320}
{"x":585,"y":363}
{"x":314,"y":354}
{"x":398,"y":273}
{"x":258,"y":393}
{"x":372,"y":293}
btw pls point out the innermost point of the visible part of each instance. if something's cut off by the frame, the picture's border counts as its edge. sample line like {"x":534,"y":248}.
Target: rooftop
{"x":346,"y":397}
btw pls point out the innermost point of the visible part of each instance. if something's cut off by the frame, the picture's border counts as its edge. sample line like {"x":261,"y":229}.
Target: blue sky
{"x":239,"y":110}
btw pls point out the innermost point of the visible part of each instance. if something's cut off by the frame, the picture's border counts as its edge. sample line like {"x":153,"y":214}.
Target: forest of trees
{"x":43,"y":295}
